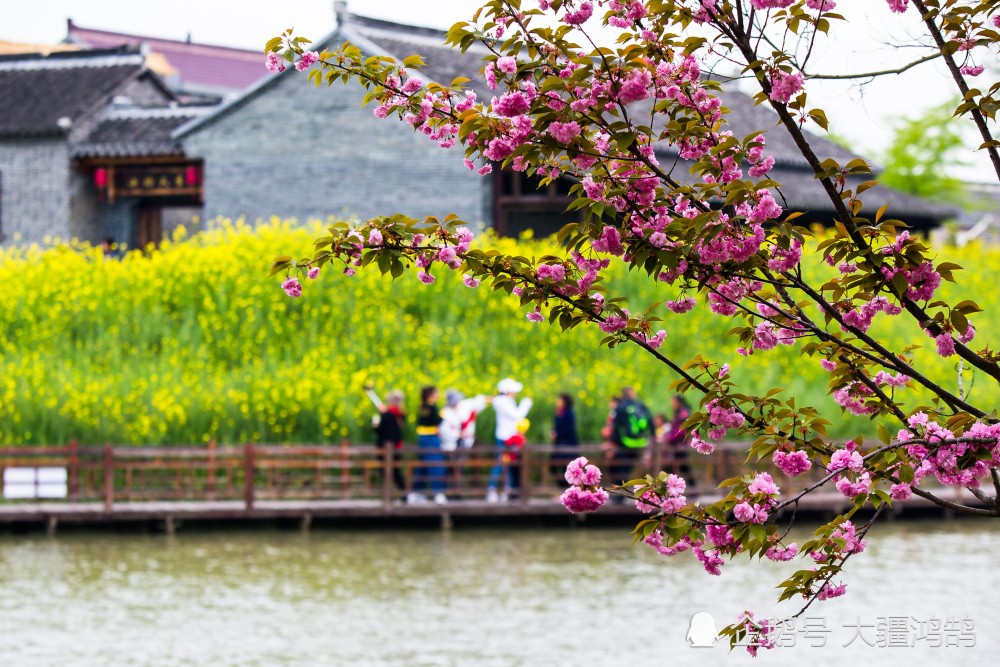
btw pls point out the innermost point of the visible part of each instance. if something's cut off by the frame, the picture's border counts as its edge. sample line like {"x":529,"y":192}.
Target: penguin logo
{"x":702,"y":632}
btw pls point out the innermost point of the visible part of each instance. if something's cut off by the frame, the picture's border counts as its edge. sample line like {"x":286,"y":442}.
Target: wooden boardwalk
{"x":168,"y":487}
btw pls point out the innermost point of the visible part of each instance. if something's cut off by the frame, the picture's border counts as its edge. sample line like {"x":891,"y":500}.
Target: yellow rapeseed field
{"x":193,"y":342}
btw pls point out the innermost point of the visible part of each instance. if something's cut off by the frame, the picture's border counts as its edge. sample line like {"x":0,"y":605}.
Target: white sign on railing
{"x":25,"y":483}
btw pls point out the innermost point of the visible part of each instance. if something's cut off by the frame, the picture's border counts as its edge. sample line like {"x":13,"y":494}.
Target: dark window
{"x":521,"y":202}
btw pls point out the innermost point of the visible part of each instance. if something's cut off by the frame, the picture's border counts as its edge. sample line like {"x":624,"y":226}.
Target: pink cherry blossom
{"x":785,"y":85}
{"x":580,"y":471}
{"x":470,"y":281}
{"x":313,"y":273}
{"x":306,"y":60}
{"x":564,"y":133}
{"x":779,"y":553}
{"x":681,"y":305}
{"x":709,"y":560}
{"x":900,"y":492}
{"x":580,"y":501}
{"x":763,"y":483}
{"x":507,"y":64}
{"x":274,"y":63}
{"x":945,"y":344}
{"x":701,"y":446}
{"x":425,"y":278}
{"x":830,"y":591}
{"x":536,"y":315}
{"x":861,"y":485}
{"x":581,"y":15}
{"x":791,"y":463}
{"x":846,"y":459}
{"x":292,"y":287}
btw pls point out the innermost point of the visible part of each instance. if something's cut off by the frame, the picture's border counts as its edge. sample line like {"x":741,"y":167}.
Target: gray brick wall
{"x":297,"y":151}
{"x":36,"y":189}
{"x":173,"y":216}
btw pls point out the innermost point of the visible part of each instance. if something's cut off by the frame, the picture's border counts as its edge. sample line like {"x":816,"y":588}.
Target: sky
{"x":864,"y":115}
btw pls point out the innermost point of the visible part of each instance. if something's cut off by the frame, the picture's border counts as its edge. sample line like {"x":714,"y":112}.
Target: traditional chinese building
{"x":86,"y":149}
{"x":318,"y":152}
{"x":96,"y":144}
{"x":194,"y":71}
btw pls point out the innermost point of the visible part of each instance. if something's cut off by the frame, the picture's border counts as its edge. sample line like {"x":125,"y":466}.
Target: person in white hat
{"x":510,"y":437}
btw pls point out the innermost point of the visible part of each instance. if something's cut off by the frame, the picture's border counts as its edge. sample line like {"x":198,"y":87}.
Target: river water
{"x":471,"y":597}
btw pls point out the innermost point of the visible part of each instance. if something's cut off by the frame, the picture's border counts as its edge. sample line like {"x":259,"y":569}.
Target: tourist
{"x":389,"y":433}
{"x":458,"y":420}
{"x":676,"y":440}
{"x":432,"y":472}
{"x":510,"y":429}
{"x":630,"y":434}
{"x":565,"y":440}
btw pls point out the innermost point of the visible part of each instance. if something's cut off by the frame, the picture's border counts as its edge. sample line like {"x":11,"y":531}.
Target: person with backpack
{"x":631,"y":430}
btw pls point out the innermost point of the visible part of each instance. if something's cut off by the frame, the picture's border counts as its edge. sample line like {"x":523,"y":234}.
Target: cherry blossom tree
{"x":711,"y":230}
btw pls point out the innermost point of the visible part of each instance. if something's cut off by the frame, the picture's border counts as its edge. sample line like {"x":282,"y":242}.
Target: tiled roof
{"x":136,"y":133}
{"x":201,"y":66}
{"x":377,"y":37}
{"x":45,"y":95}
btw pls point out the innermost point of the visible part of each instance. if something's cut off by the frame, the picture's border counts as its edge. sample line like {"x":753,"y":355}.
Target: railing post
{"x":345,"y":469}
{"x":73,"y":473}
{"x":248,"y":475}
{"x":657,"y":458}
{"x":109,"y":478}
{"x":388,"y":471}
{"x":210,"y":475}
{"x":525,"y":474}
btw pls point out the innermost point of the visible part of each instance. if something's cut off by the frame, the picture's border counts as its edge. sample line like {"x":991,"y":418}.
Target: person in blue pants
{"x":429,"y":477}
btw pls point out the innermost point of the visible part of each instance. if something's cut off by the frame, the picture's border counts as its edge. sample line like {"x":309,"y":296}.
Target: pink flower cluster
{"x":292,"y":287}
{"x":554,"y":272}
{"x":861,"y":484}
{"x":656,"y":541}
{"x":615,"y":322}
{"x":852,"y":397}
{"x":898,"y":6}
{"x":585,"y":495}
{"x":306,"y":60}
{"x":785,"y":85}
{"x":861,"y":318}
{"x":779,"y":553}
{"x":791,"y":463}
{"x":722,"y":418}
{"x":671,"y":502}
{"x":847,"y":532}
{"x":831,"y":590}
{"x":765,"y":496}
{"x":771,"y":4}
{"x":581,"y":15}
{"x":681,"y":305}
{"x":760,"y":633}
{"x":964,"y":463}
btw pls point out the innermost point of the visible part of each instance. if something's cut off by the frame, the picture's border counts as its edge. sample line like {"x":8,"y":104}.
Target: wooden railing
{"x":253,"y":472}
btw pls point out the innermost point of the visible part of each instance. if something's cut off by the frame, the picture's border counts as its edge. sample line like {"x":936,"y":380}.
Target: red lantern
{"x":191,"y":175}
{"x":101,"y":178}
